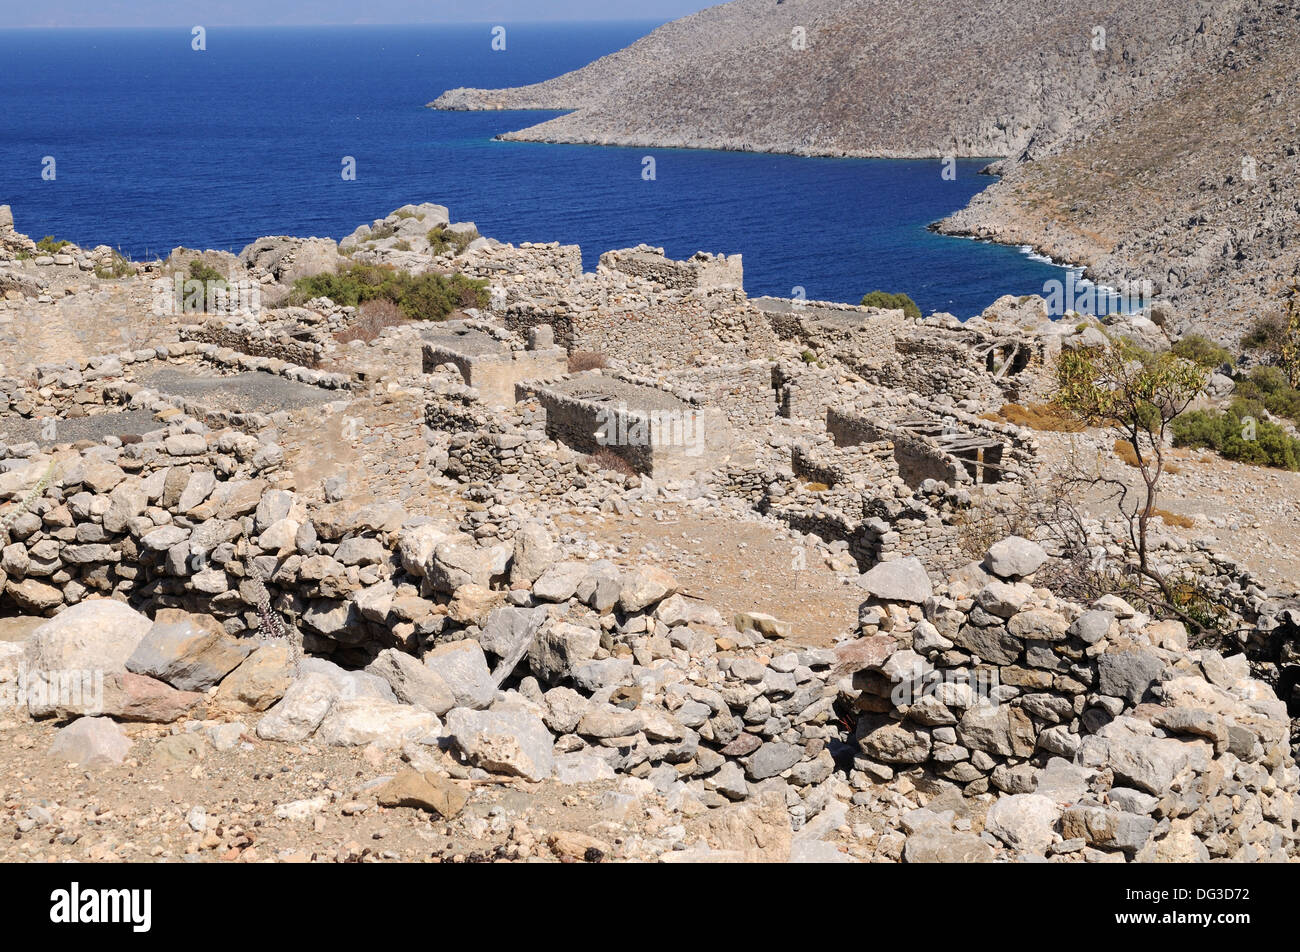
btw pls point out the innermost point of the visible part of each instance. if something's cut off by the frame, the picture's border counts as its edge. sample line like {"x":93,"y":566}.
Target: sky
{"x":143,"y":13}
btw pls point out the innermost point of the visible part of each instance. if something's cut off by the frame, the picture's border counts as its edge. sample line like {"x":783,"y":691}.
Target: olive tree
{"x":1137,"y":394}
{"x":1289,"y":348}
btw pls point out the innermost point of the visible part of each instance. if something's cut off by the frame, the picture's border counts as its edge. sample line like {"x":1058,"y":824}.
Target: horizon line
{"x":290,"y":26}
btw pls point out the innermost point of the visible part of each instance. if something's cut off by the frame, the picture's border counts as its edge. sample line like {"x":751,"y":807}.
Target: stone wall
{"x":251,"y":338}
{"x":654,"y":431}
{"x":917,"y":460}
{"x":861,"y":466}
{"x":862,"y":339}
{"x":124,"y":520}
{"x":970,"y":363}
{"x":495,"y":375}
{"x":741,"y":391}
{"x":805,"y":390}
{"x":88,"y":386}
{"x":936,"y":442}
{"x":995,"y":685}
{"x":483,"y":448}
{"x":523,"y":272}
{"x":520,"y":318}
{"x":938,"y":356}
{"x":664,"y":330}
{"x":701,"y":271}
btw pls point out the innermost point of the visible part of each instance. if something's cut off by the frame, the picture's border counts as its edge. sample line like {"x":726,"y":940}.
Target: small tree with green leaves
{"x":1289,"y":346}
{"x":208,"y":293}
{"x":1137,"y":394}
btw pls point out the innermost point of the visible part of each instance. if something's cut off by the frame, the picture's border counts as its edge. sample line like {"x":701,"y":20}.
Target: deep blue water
{"x":157,"y":145}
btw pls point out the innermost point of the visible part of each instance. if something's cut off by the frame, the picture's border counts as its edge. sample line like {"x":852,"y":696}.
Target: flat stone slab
{"x":248,"y":392}
{"x":17,"y":429}
{"x":462,"y":340}
{"x":602,"y":389}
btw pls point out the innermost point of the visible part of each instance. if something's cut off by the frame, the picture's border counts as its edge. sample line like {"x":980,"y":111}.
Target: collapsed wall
{"x":860,"y":338}
{"x":743,"y":392}
{"x":524,"y":272}
{"x":953,"y":447}
{"x":294,"y":335}
{"x":480,"y":447}
{"x":645,"y":309}
{"x":979,"y":360}
{"x":658,"y":330}
{"x":1099,"y":733}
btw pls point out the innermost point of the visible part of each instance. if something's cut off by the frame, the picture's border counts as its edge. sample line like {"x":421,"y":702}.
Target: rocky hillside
{"x":1118,"y":157}
{"x":877,"y":77}
{"x":1195,"y":191}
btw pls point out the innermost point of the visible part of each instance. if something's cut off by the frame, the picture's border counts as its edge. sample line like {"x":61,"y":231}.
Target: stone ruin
{"x":980,"y":360}
{"x":653,"y":430}
{"x":488,"y":362}
{"x":700,"y":272}
{"x":1085,"y":732}
{"x":954,"y":447}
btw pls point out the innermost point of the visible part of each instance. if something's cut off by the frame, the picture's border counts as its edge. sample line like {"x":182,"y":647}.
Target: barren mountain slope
{"x":878,"y":77}
{"x":1196,"y":191}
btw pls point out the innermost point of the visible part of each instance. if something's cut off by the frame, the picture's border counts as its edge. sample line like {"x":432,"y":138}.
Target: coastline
{"x":959,"y":224}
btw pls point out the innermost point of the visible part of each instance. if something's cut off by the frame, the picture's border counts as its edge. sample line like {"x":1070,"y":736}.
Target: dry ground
{"x":1248,"y":513}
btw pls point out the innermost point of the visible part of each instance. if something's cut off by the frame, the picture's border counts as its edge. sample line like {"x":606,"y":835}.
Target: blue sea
{"x":156,"y":145}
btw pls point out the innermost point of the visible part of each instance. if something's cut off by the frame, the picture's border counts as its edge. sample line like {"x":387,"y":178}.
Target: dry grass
{"x":1174,"y":519}
{"x":581,"y":360}
{"x":1127,"y":455}
{"x":816,"y":487}
{"x":372,"y":318}
{"x":1124,"y":450}
{"x":606,"y":458}
{"x":1036,"y":416}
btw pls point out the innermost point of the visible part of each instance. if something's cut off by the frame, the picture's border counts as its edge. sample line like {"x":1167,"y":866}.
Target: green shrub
{"x":1202,"y":351}
{"x":50,"y":245}
{"x":1268,"y":386}
{"x":205,"y":273}
{"x":441,"y":242}
{"x":214,"y":288}
{"x":1240,"y":433}
{"x":426,"y":297}
{"x":1266,"y":334}
{"x":898,"y":301}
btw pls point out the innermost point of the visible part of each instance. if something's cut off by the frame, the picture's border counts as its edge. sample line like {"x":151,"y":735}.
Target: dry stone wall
{"x":1099,"y":725}
{"x":701,"y":271}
